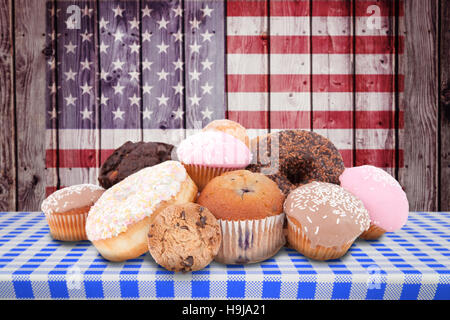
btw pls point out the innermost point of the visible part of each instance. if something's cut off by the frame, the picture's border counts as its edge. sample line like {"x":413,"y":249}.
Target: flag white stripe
{"x":322,"y":101}
{"x":299,"y":26}
{"x":279,"y":63}
{"x":247,"y":26}
{"x":300,"y":63}
{"x":73,"y":176}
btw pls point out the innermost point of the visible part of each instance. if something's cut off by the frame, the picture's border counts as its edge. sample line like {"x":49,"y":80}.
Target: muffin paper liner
{"x":203,"y":174}
{"x":373,"y":233}
{"x":298,"y":241}
{"x":250,"y":241}
{"x":67,"y":226}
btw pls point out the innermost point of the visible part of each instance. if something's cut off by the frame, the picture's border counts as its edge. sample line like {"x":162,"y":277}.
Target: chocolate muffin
{"x":293,"y":158}
{"x":130,"y":158}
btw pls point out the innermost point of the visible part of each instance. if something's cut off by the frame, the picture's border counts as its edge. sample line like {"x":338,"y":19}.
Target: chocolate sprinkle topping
{"x":300,"y":156}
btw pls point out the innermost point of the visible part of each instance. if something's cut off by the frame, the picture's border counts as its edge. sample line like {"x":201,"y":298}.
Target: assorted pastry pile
{"x":219,"y":196}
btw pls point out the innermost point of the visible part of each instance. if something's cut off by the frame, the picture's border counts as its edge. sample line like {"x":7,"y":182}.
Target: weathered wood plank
{"x":419,"y":139}
{"x":7,"y":136}
{"x":94,"y":74}
{"x":162,"y":71}
{"x":51,"y":112}
{"x":77,"y":96}
{"x":30,"y":67}
{"x":120,"y":73}
{"x":247,"y":32}
{"x":204,"y":52}
{"x":332,"y":112}
{"x":380,"y":136}
{"x":445,"y":108}
{"x":400,"y":82}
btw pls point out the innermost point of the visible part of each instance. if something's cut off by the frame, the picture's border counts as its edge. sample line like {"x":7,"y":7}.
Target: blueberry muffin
{"x":249,"y":207}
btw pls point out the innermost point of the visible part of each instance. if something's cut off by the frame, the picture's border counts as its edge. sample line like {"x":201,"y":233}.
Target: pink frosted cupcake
{"x":208,"y":154}
{"x":382,"y":195}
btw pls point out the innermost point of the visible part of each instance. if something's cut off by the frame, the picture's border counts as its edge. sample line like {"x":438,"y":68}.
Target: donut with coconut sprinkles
{"x":382,"y":196}
{"x":119,"y":221}
{"x":324,"y":220}
{"x":66,"y":211}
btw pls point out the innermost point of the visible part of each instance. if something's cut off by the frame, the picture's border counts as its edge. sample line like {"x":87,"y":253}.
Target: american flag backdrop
{"x":160,"y":70}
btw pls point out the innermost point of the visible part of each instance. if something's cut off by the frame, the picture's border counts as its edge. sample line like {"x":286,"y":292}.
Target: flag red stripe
{"x":50,"y":189}
{"x":387,"y":7}
{"x":246,"y":8}
{"x":51,"y":158}
{"x":320,"y":44}
{"x":321,"y":83}
{"x":247,"y":44}
{"x":105,"y":153}
{"x":256,"y":119}
{"x":363,"y":119}
{"x":247,"y":83}
{"x":347,"y":156}
{"x":382,"y":158}
{"x":301,"y":8}
{"x":377,"y":44}
{"x":376,"y":157}
{"x":321,"y":119}
{"x":278,"y":119}
{"x":289,"y":8}
{"x":76,"y":158}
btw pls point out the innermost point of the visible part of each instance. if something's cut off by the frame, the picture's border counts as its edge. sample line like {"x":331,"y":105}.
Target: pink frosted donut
{"x":382,"y":196}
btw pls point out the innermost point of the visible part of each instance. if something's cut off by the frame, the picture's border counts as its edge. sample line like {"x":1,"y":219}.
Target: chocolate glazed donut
{"x":292,"y":158}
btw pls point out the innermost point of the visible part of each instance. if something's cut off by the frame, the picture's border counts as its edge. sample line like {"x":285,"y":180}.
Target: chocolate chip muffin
{"x":249,"y":208}
{"x":293,"y":158}
{"x":184,"y":237}
{"x":130,"y":158}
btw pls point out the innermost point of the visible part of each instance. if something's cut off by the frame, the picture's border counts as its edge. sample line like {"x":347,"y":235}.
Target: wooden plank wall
{"x":422,"y":111}
{"x":30,"y":95}
{"x":8,"y":174}
{"x":419,"y":140}
{"x":444,"y":109}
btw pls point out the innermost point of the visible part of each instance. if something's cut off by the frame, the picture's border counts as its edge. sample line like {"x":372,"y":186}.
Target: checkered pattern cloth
{"x":413,"y":263}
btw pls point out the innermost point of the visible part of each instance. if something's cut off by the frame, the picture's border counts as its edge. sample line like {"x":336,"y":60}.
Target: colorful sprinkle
{"x":134,"y":199}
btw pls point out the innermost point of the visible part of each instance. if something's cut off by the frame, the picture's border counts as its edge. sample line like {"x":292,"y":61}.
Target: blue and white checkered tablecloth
{"x":413,"y":263}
